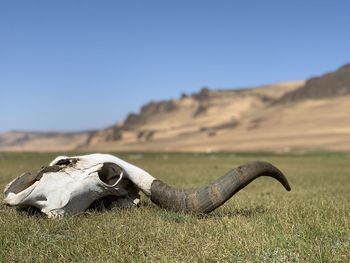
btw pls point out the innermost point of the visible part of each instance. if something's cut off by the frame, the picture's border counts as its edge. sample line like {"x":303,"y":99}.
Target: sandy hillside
{"x":247,"y":122}
{"x":174,"y":121}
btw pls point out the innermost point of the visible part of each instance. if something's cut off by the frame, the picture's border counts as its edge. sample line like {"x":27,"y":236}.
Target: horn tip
{"x":288,"y":188}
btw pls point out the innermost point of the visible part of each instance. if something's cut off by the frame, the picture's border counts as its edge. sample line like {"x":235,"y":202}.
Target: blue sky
{"x":76,"y":65}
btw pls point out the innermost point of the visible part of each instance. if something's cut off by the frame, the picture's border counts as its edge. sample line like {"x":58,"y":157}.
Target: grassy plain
{"x":262,"y":223}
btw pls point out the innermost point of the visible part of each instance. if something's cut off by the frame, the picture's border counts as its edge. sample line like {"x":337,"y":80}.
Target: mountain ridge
{"x":290,"y":116}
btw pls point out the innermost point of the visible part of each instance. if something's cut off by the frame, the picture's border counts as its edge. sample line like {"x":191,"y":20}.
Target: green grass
{"x":262,"y":223}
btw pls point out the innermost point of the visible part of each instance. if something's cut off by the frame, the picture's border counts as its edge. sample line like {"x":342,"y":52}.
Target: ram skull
{"x":69,"y":185}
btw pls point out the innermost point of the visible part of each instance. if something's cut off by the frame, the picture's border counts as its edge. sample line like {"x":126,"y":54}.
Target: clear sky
{"x":75,"y":65}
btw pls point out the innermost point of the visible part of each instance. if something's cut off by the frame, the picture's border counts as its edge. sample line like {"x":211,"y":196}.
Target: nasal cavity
{"x":110,"y":173}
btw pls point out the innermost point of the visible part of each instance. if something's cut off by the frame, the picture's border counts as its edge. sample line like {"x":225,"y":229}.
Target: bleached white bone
{"x":77,"y":184}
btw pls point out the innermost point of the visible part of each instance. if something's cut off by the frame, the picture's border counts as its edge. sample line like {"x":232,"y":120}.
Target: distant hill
{"x":282,"y":117}
{"x":42,"y":141}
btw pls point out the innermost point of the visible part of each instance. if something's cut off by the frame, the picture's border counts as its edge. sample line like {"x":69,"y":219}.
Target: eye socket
{"x":110,"y":173}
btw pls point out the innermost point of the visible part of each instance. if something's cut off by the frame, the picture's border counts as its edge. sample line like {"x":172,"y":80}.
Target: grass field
{"x":262,"y":223}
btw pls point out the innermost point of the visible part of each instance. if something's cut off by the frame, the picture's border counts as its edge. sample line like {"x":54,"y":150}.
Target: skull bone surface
{"x":69,"y":185}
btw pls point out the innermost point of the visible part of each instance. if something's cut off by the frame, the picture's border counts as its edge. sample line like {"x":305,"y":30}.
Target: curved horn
{"x":208,"y":198}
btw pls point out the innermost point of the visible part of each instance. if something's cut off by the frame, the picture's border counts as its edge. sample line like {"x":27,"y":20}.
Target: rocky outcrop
{"x":333,"y":84}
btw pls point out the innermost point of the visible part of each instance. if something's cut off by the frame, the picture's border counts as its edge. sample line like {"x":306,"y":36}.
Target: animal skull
{"x":69,"y":185}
